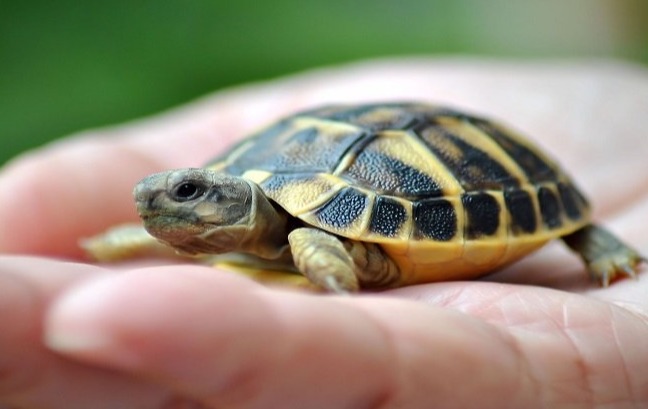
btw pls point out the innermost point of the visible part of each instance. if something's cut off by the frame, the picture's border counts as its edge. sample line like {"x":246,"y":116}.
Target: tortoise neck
{"x":268,"y":228}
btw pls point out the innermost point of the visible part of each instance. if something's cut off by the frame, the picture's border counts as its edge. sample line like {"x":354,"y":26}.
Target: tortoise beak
{"x":147,"y":190}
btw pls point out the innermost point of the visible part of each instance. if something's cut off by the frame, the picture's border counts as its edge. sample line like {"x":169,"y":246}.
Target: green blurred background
{"x":68,"y":65}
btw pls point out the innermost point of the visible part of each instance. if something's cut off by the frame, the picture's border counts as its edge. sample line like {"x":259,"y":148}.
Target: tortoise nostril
{"x":141,"y":193}
{"x":149,"y":187}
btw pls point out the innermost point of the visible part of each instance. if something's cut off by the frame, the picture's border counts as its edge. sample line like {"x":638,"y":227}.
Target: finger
{"x":226,"y":342}
{"x":225,"y":364}
{"x":35,"y":377}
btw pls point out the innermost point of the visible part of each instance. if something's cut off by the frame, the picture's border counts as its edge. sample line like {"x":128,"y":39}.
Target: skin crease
{"x":153,"y":335}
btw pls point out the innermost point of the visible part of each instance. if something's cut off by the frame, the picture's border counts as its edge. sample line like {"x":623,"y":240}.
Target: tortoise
{"x":377,"y":196}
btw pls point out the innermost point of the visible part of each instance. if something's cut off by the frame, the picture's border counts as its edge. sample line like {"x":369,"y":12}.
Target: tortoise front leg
{"x":604,"y":254}
{"x":340,"y":266}
{"x":125,"y":242}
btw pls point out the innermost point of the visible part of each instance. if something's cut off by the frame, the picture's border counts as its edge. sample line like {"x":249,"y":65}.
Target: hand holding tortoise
{"x":156,"y":336}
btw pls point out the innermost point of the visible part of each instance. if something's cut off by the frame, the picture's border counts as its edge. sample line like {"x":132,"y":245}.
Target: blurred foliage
{"x":69,"y":65}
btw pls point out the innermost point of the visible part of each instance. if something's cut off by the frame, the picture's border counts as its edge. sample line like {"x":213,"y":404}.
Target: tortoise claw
{"x":611,"y":266}
{"x":333,"y":285}
{"x":600,"y":274}
{"x":628,"y":270}
{"x":605,"y":279}
{"x":606,"y":257}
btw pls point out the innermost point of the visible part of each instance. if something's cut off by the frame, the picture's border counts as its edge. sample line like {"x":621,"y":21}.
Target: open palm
{"x":146,"y":335}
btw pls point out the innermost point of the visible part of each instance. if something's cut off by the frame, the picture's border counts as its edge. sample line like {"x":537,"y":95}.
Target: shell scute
{"x":391,"y":165}
{"x":435,"y":219}
{"x":295,"y":146}
{"x":521,"y":207}
{"x":482,"y":214}
{"x":573,"y":202}
{"x":536,"y":166}
{"x":373,"y":117}
{"x":343,"y":209}
{"x":475,"y":169}
{"x":299,"y":193}
{"x":550,"y":208}
{"x":388,"y":217}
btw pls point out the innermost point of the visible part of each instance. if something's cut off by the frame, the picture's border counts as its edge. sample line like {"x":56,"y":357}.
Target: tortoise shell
{"x":447,"y":195}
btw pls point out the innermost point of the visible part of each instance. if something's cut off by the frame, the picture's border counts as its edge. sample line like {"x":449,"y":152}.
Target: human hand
{"x":536,"y":334}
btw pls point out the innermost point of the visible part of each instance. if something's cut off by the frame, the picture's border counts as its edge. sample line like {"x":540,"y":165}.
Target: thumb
{"x":228,"y":342}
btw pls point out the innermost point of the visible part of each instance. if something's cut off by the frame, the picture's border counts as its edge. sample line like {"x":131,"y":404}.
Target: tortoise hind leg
{"x":605,"y":256}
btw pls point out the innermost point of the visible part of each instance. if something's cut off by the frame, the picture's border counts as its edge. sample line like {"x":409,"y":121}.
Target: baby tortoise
{"x":373,"y":196}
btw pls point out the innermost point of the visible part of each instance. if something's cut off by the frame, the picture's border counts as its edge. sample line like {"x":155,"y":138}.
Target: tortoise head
{"x":196,"y":210}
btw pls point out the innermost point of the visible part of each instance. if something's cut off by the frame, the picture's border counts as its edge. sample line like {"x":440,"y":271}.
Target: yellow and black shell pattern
{"x":447,"y":195}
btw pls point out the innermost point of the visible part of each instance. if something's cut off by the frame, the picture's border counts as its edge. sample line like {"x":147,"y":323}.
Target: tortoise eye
{"x":187,"y":191}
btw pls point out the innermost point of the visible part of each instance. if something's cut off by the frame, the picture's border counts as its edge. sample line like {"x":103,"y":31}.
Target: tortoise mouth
{"x":173,"y":227}
{"x":148,"y":212}
{"x":188,"y":237}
